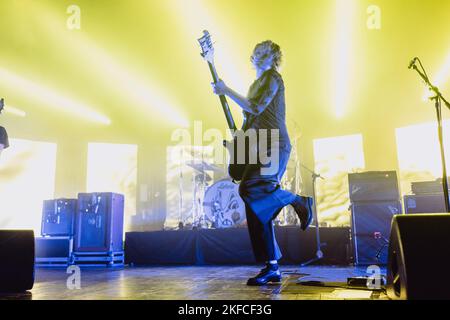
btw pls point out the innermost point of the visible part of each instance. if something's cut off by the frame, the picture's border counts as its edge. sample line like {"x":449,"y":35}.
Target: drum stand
{"x":180,"y":190}
{"x":286,"y":184}
{"x":199,"y":220}
{"x":319,"y":254}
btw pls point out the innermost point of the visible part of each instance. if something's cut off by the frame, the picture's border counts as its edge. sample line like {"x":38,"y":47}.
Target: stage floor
{"x":194,"y":283}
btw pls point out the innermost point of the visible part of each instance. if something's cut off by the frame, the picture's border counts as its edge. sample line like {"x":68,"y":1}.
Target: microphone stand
{"x":438,"y":99}
{"x":319,"y":253}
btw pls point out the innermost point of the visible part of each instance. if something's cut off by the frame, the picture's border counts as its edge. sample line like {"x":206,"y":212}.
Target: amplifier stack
{"x":54,"y":248}
{"x":87,"y":231}
{"x":99,"y":230}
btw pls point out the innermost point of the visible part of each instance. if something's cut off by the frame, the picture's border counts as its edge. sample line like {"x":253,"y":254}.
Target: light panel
{"x":27,"y":177}
{"x":419,"y":155}
{"x":113,"y":168}
{"x":334,"y":159}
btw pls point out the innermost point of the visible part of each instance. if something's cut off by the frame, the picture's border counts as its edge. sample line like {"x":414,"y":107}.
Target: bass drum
{"x":222,"y":205}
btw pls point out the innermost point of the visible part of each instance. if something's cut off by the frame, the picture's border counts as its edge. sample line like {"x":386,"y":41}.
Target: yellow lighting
{"x":142,"y":91}
{"x":153,"y":100}
{"x":342,"y":55}
{"x":15,"y":111}
{"x":113,"y":168}
{"x":419,"y":154}
{"x":334,"y":159}
{"x":50,"y":98}
{"x":232,"y":61}
{"x":27,"y":177}
{"x":199,"y":15}
{"x":440,"y":79}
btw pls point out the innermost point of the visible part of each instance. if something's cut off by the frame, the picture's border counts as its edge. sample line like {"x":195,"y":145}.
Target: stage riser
{"x":231,"y":247}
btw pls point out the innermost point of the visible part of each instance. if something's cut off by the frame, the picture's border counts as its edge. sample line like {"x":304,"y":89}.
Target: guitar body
{"x":236,"y":168}
{"x":236,"y":171}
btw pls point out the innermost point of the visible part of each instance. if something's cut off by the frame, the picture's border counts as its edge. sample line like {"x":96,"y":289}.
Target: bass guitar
{"x":239,"y":155}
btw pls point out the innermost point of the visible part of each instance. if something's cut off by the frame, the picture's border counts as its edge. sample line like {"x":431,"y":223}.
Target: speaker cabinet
{"x":99,"y":222}
{"x":371,"y":227}
{"x":373,"y":186}
{"x":16,"y":261}
{"x":425,"y":203}
{"x":53,"y":251}
{"x":419,"y":257}
{"x":58,"y":217}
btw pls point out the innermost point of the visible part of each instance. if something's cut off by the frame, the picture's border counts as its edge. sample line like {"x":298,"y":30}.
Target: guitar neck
{"x":223,"y":100}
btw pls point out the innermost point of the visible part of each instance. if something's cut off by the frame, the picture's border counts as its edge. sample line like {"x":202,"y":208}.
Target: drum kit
{"x":215,"y":203}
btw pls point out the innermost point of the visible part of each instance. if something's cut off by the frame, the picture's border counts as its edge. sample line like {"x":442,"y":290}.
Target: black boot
{"x":271,"y":273}
{"x":303,"y":208}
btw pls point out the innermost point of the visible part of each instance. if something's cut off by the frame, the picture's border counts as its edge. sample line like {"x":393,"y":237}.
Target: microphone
{"x":413,"y":63}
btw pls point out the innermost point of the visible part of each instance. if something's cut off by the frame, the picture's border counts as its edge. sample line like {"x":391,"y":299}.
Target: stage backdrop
{"x":27,"y":177}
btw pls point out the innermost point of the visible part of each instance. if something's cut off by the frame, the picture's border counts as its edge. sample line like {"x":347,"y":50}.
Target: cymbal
{"x":202,"y":166}
{"x":203,"y":177}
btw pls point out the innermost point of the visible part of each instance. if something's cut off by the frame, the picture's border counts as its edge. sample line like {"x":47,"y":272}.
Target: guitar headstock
{"x":207,"y":47}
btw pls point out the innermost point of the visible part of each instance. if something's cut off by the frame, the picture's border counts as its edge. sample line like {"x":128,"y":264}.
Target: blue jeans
{"x":264,"y":199}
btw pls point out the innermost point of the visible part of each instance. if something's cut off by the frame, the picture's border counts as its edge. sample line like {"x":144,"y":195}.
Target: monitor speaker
{"x":419,"y":257}
{"x":16,"y":261}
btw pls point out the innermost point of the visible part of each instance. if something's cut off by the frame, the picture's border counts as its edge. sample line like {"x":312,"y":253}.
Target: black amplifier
{"x":427,"y":187}
{"x":425,"y":203}
{"x":53,"y":251}
{"x":373,"y":186}
{"x":58,"y":217}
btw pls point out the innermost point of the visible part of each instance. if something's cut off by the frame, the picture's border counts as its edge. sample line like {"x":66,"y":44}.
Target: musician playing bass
{"x":264,"y":108}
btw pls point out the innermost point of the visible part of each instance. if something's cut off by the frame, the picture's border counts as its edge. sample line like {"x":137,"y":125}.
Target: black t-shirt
{"x":268,"y":93}
{"x":4,"y":137}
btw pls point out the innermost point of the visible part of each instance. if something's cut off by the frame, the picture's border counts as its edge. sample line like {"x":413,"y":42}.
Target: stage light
{"x":15,"y":111}
{"x":439,"y":79}
{"x":143,"y":92}
{"x":146,"y":94}
{"x":342,"y":58}
{"x":194,"y":16}
{"x":50,"y":98}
